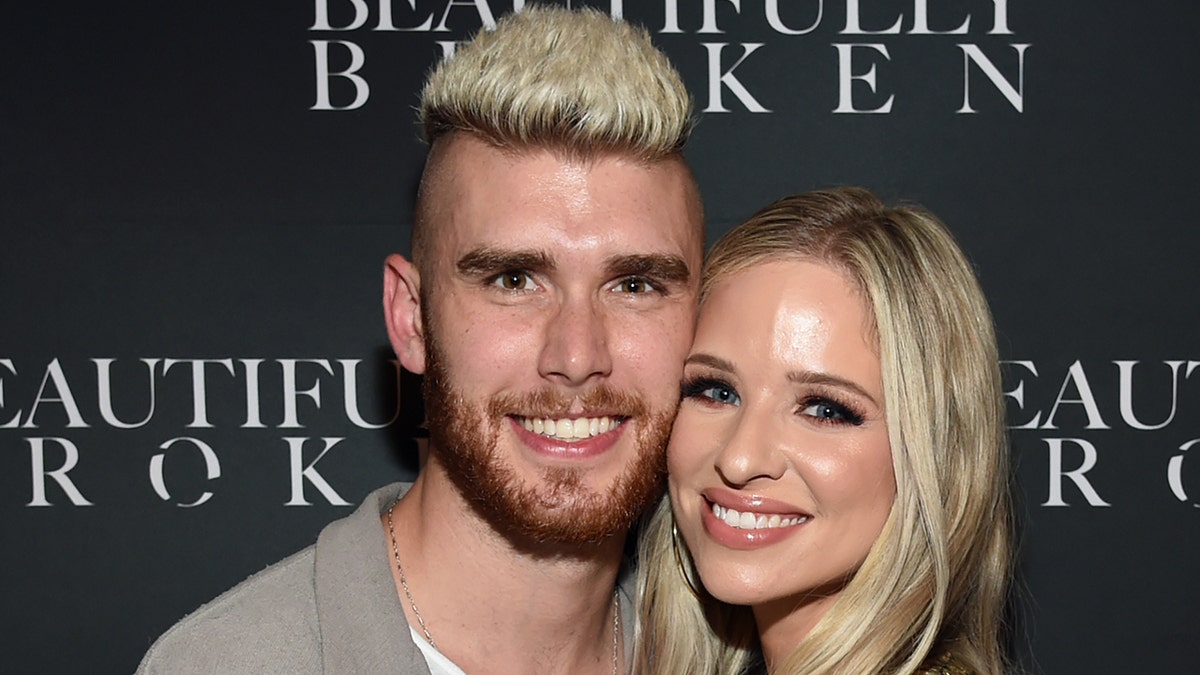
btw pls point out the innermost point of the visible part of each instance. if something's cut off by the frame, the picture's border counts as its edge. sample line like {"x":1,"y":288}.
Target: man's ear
{"x":402,"y":310}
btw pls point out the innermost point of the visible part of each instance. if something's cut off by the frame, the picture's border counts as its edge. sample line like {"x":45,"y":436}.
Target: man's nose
{"x":575,"y":345}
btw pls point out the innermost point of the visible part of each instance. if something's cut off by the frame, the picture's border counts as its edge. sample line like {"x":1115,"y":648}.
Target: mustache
{"x":546,"y":402}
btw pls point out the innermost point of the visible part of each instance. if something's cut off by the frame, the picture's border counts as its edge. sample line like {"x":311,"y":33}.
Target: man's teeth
{"x":570,"y":429}
{"x":754,"y":521}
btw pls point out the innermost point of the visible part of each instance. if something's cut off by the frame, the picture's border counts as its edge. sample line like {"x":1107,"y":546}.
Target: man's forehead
{"x":464,"y":161}
{"x":562,"y":238}
{"x":489,"y":199}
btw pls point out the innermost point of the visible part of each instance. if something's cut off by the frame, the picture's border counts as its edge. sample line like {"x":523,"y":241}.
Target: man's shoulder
{"x":331,"y":605}
{"x":267,"y":623}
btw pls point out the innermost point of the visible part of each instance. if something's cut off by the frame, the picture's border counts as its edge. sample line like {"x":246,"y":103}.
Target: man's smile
{"x":568,"y":429}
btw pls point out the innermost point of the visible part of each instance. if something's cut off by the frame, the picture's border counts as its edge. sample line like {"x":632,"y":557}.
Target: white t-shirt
{"x":438,"y":663}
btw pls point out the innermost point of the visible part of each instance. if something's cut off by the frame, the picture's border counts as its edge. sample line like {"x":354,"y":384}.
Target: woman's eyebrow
{"x":711,"y":361}
{"x":811,"y":377}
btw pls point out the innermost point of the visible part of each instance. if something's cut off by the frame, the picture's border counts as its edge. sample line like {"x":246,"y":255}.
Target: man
{"x":549,"y":304}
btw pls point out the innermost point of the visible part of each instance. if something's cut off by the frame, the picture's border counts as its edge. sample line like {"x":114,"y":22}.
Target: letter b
{"x":362,"y":90}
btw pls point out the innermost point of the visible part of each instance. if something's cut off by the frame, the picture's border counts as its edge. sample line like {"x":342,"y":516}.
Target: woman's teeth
{"x":569,"y":429}
{"x":754,"y":521}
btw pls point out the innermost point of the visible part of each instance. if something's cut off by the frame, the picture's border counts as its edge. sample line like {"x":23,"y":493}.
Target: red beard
{"x":560,"y":508}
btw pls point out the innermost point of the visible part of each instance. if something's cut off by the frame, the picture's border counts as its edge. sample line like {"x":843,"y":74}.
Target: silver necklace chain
{"x":404,"y":580}
{"x":616,"y":608}
{"x":616,"y":632}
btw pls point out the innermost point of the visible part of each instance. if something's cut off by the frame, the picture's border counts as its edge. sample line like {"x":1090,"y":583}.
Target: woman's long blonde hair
{"x":937,"y":578}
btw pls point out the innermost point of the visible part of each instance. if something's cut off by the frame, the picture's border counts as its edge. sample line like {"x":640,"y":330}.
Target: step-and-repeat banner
{"x":198,"y":198}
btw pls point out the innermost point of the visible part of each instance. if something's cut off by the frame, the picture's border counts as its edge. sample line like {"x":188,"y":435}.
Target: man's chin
{"x":556,"y":507}
{"x":535,"y":489}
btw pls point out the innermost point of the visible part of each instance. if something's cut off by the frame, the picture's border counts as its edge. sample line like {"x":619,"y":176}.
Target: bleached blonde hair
{"x":936,"y":580}
{"x":574,"y":80}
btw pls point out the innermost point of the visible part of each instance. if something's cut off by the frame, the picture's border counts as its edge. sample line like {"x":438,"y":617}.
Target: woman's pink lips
{"x":741,"y":501}
{"x":737,"y":538}
{"x":578,"y":449}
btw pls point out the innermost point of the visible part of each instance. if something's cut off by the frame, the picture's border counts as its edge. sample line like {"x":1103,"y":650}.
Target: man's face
{"x":559,"y":300}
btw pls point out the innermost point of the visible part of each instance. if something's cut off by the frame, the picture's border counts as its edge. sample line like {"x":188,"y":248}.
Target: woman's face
{"x":780,"y":467}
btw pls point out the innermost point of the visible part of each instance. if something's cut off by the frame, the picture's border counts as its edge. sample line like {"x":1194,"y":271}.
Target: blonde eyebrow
{"x":710,"y":361}
{"x":794,"y":376}
{"x":825,"y":379}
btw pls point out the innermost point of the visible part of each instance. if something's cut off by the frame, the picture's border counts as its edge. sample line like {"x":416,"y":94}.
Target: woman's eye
{"x":828,"y":411}
{"x":721,"y":395}
{"x":515,"y":281}
{"x":634,"y":285}
{"x":715,"y":391}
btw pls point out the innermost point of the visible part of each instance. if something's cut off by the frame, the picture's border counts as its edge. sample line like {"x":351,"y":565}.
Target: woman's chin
{"x":741,"y":588}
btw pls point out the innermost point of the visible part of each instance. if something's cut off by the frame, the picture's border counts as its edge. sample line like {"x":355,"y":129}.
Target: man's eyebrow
{"x":488,"y":260}
{"x":664,"y":267}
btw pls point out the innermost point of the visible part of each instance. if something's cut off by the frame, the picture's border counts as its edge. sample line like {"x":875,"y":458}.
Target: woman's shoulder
{"x":944,"y":664}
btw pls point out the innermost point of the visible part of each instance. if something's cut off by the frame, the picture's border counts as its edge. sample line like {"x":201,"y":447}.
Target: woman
{"x":839,"y":495}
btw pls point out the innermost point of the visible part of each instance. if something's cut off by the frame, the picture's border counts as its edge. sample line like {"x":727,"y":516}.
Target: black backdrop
{"x":193,"y":235}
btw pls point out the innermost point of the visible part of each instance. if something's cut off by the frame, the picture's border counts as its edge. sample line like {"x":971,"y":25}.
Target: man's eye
{"x":635,"y":285}
{"x":515,"y":281}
